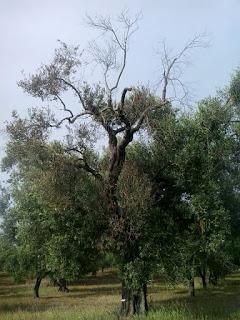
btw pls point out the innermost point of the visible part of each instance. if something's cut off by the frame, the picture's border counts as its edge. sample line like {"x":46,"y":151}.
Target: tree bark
{"x":134,"y":302}
{"x":36,"y":286}
{"x":191,"y":287}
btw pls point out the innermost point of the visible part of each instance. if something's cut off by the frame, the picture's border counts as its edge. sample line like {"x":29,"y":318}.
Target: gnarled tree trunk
{"x":134,"y":302}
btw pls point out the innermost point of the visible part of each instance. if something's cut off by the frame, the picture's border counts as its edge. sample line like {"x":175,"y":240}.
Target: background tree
{"x":55,"y":208}
{"x":206,"y":159}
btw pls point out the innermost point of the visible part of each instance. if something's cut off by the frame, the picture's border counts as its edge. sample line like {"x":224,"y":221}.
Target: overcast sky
{"x":29,"y":30}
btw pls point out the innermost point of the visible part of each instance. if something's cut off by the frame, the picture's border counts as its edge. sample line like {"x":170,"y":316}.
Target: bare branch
{"x":143,"y":115}
{"x":70,"y":119}
{"x":121,"y":71}
{"x":64,"y":106}
{"x":74,"y":89}
{"x":121,"y":113}
{"x":172,"y":65}
{"x":125,"y":90}
{"x":166,"y":78}
{"x":104,"y":24}
{"x":107,"y":58}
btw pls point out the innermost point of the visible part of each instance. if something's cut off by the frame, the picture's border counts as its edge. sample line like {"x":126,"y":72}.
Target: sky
{"x":29,"y":30}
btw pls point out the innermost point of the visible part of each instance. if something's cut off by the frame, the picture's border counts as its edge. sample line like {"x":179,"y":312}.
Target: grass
{"x":98,"y":298}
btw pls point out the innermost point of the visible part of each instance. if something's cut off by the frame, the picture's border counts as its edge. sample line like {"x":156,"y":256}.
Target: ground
{"x":98,"y":298}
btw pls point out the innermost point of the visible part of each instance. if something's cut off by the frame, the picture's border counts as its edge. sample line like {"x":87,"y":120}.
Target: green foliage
{"x":234,"y":90}
{"x":51,"y":225}
{"x":176,"y":191}
{"x":135,"y":273}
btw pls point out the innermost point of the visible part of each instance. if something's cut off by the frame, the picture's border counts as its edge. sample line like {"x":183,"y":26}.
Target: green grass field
{"x":99,"y":298}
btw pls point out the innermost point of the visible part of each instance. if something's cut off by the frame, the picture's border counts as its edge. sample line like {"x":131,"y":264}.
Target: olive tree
{"x":119,"y":116}
{"x":50,"y":228}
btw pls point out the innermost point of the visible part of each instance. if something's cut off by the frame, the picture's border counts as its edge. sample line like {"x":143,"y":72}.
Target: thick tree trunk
{"x":191,"y":287}
{"x":134,"y":302}
{"x":36,"y":287}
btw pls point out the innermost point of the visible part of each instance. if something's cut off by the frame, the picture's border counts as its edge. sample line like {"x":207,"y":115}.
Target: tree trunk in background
{"x":62,"y":283}
{"x":145,"y":297}
{"x":36,"y":287}
{"x":191,"y":288}
{"x":204,"y":280}
{"x":203,"y":275}
{"x":213,"y":279}
{"x":134,"y":303}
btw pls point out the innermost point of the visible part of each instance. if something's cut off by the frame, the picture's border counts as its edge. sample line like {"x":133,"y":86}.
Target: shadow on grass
{"x":102,"y":278}
{"x":219,"y":302}
{"x":212,"y":303}
{"x":100,"y":290}
{"x":17,"y":307}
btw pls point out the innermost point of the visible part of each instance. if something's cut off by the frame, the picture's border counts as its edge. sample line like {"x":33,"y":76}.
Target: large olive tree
{"x":103,"y":109}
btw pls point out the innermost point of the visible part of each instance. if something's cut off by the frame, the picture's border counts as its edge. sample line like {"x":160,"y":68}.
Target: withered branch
{"x":107,"y":58}
{"x":125,"y":90}
{"x":69,"y":84}
{"x":173,"y":65}
{"x":70,"y":119}
{"x":64,"y":106}
{"x":143,"y":115}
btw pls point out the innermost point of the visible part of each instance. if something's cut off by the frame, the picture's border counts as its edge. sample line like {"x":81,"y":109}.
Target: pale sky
{"x":29,"y":30}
